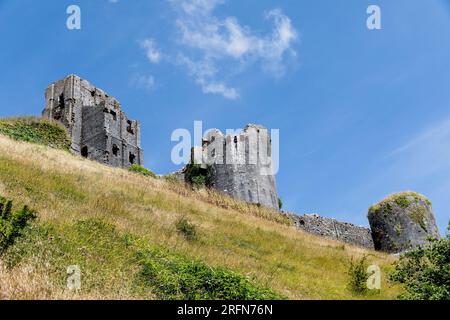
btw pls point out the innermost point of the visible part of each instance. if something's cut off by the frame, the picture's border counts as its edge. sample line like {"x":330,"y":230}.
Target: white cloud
{"x":144,"y":82}
{"x":153,"y":54}
{"x":214,"y":49}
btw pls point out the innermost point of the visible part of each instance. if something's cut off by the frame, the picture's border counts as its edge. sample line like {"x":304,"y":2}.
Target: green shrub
{"x":12,"y":223}
{"x":141,"y":170}
{"x":186,"y":228}
{"x":402,"y":202}
{"x":196,"y":175}
{"x":36,"y":130}
{"x":425,"y":272}
{"x":174,"y":277}
{"x":280,"y":203}
{"x":358,"y":276}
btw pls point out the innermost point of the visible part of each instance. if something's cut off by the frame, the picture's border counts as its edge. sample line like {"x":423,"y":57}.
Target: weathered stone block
{"x":401,"y":222}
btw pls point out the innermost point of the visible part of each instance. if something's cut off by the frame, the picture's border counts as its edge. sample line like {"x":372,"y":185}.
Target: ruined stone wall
{"x":239,"y":164}
{"x":99,"y":129}
{"x":331,"y":228}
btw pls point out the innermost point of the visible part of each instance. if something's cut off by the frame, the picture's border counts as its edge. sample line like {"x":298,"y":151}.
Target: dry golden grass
{"x":253,"y":241}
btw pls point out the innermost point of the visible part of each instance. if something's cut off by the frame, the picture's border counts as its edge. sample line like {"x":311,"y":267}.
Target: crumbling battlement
{"x":240,"y":164}
{"x":331,"y":228}
{"x":99,"y":129}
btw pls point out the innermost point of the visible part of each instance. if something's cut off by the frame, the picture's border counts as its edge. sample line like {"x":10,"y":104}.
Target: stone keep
{"x":401,"y":222}
{"x":99,"y":129}
{"x":240,"y":164}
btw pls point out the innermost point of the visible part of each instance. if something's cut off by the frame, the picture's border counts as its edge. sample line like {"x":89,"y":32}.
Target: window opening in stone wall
{"x":60,"y":107}
{"x":129,"y":127}
{"x":213,"y":153}
{"x":115,"y":150}
{"x":84,"y":152}
{"x":114,"y":115}
{"x":132,"y":158}
{"x":250,"y":196}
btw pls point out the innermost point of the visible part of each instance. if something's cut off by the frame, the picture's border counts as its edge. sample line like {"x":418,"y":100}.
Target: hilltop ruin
{"x":99,"y":129}
{"x":239,"y":164}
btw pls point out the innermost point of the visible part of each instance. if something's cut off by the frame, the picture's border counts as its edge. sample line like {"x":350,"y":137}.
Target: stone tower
{"x":240,"y":164}
{"x":401,"y":222}
{"x":99,"y":129}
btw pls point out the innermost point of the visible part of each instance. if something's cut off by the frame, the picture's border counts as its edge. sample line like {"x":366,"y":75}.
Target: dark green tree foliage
{"x":425,"y":272}
{"x":280,"y":203}
{"x":12,"y":222}
{"x":358,"y":276}
{"x":197,"y":176}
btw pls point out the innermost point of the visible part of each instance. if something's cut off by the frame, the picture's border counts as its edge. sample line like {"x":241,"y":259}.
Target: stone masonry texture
{"x":99,"y":129}
{"x":402,"y":222}
{"x":331,"y":228}
{"x":240,"y":164}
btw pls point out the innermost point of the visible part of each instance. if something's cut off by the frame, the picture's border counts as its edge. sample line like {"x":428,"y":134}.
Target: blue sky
{"x":361,"y":113}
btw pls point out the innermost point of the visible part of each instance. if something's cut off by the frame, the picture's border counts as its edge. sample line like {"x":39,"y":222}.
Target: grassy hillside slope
{"x":128,"y":233}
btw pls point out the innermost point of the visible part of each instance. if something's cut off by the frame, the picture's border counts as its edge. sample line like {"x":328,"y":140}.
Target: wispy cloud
{"x":214,"y":49}
{"x":143,"y":82}
{"x":153,"y":54}
{"x":434,"y":139}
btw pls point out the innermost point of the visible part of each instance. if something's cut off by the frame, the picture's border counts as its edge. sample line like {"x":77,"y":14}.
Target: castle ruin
{"x":99,"y":129}
{"x":240,"y":164}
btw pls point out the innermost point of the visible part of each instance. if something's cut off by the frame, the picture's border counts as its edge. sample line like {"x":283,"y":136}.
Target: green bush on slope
{"x":141,"y":170}
{"x":12,"y":222}
{"x":36,"y":130}
{"x":175,"y":277}
{"x":425,"y":272}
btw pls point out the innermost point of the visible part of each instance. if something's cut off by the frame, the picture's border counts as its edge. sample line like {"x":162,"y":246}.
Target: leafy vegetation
{"x":280,"y":203}
{"x":425,"y":272}
{"x":141,"y":170}
{"x":418,"y":215}
{"x":176,"y":278}
{"x":401,"y":199}
{"x":196,"y":175}
{"x":12,"y":222}
{"x":36,"y":130}
{"x":186,"y":228}
{"x":358,"y":276}
{"x":402,"y":202}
